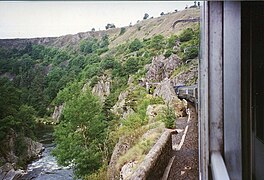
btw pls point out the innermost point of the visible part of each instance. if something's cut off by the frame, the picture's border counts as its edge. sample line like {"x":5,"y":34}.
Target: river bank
{"x":46,"y":167}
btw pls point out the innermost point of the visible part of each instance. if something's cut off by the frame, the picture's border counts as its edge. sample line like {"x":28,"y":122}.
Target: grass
{"x":101,"y":174}
{"x":141,"y":148}
{"x":185,"y":67}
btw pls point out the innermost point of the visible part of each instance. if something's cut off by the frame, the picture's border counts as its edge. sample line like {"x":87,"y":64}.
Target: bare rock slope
{"x":143,"y":29}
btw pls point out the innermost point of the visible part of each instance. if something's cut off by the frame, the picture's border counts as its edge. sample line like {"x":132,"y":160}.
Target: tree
{"x":157,"y":42}
{"x":131,"y":65}
{"x":162,"y":13}
{"x":9,"y":98}
{"x":146,"y":16}
{"x":135,"y":45}
{"x":88,"y":46}
{"x":104,"y":41}
{"x":80,"y":135}
{"x":109,"y":26}
{"x":93,"y":29}
{"x":108,"y":63}
{"x":122,"y":30}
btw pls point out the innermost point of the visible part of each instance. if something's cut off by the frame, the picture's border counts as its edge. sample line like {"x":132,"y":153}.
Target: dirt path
{"x":185,"y":148}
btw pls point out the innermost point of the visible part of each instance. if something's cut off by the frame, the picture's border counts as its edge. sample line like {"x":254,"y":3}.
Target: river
{"x":47,"y":168}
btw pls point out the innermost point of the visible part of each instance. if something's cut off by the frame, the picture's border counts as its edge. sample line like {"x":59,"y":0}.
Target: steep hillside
{"x":143,"y":29}
{"x":110,"y":93}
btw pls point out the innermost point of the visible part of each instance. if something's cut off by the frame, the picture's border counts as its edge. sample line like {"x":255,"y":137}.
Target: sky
{"x":31,"y":19}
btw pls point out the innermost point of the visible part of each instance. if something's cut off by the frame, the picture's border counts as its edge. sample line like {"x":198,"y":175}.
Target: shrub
{"x":88,"y":46}
{"x":171,"y":41}
{"x":168,"y":53}
{"x":157,"y":42}
{"x":102,"y":50}
{"x":190,"y":52}
{"x":131,"y":65}
{"x":108,"y":63}
{"x":104,"y":41}
{"x":170,"y":118}
{"x":186,"y":35}
{"x":135,"y":45}
{"x":122,"y":31}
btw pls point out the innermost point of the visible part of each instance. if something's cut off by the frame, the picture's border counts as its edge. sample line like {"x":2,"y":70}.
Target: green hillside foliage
{"x":41,"y":77}
{"x":15,"y":116}
{"x":80,"y":135}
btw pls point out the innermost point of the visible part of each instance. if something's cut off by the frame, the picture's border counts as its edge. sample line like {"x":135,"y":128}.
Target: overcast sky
{"x":47,"y":19}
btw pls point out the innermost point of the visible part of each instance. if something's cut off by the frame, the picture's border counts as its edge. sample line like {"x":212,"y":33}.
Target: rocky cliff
{"x":12,"y":154}
{"x":102,"y":88}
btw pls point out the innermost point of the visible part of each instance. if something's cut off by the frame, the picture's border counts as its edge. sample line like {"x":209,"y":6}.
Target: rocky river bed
{"x":46,"y":167}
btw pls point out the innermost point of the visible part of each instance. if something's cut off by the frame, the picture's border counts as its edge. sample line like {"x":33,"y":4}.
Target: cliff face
{"x":161,"y":68}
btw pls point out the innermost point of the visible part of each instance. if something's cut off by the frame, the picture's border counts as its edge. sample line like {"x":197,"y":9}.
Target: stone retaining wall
{"x":156,"y":160}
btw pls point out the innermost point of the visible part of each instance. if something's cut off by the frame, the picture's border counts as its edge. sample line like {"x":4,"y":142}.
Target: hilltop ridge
{"x":143,"y":29}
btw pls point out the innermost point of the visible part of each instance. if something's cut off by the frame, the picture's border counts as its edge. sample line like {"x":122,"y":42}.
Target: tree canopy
{"x":80,"y":135}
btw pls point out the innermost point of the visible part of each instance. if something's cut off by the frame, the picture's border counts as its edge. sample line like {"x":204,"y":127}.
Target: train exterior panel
{"x":230,"y":91}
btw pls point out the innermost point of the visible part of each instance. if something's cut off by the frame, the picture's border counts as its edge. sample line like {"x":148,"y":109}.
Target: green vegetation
{"x":169,"y":118}
{"x":42,"y":77}
{"x":122,"y":31}
{"x":190,"y":43}
{"x":142,"y":146}
{"x":80,"y":134}
{"x":15,"y":116}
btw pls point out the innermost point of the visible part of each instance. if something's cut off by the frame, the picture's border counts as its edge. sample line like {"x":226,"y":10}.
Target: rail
{"x":218,"y":167}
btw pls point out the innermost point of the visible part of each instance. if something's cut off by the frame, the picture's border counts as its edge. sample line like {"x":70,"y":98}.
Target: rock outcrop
{"x":102,"y":88}
{"x":33,"y":149}
{"x":166,"y":92}
{"x":161,"y":68}
{"x":120,"y":148}
{"x":57,"y":113}
{"x":189,"y":76}
{"x":10,"y":158}
{"x":120,"y":108}
{"x":7,"y":172}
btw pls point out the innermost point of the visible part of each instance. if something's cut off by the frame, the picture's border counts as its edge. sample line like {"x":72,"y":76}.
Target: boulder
{"x":167,"y":93}
{"x":33,"y":149}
